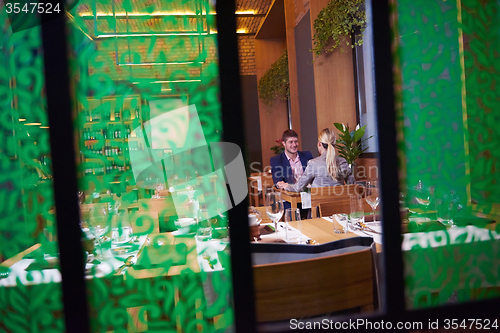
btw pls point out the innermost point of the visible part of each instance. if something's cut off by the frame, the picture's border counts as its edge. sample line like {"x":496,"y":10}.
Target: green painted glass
{"x":446,"y":115}
{"x":30,"y":292}
{"x":152,"y":190}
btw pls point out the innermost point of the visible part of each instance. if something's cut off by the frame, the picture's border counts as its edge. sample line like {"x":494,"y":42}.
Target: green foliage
{"x":338,"y":19}
{"x":275,"y":82}
{"x":349,"y":143}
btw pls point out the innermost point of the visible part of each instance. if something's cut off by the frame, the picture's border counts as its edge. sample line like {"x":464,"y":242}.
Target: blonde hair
{"x":327,"y":138}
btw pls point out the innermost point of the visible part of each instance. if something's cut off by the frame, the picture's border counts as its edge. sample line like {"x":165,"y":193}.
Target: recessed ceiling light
{"x":22,"y":119}
{"x":33,"y":124}
{"x":44,"y":126}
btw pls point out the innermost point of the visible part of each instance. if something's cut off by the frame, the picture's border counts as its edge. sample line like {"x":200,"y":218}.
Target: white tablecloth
{"x":282,"y":232}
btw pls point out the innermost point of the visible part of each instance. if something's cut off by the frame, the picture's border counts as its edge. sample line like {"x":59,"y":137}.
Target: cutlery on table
{"x":129,"y":262}
{"x":363,"y":226}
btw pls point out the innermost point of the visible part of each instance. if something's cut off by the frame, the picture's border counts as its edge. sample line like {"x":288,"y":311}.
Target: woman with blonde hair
{"x":326,"y":170}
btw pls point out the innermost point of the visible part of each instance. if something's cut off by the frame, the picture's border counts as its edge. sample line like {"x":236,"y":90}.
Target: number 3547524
{"x":32,"y":7}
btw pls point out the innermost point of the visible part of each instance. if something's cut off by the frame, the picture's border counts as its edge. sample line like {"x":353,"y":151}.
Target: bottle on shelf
{"x":126,"y":114}
{"x":117,"y":115}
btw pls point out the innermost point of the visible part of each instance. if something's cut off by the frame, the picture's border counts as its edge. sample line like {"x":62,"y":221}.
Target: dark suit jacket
{"x":281,"y":169}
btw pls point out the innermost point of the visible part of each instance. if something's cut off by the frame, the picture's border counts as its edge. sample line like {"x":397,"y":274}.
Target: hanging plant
{"x":275,"y":83}
{"x":340,"y":18}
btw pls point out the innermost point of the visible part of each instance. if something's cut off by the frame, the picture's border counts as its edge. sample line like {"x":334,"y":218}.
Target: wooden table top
{"x":322,"y":232}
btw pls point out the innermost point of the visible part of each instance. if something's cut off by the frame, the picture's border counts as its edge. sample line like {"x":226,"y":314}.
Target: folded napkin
{"x":49,"y":248}
{"x":305,"y":198}
{"x":155,"y":256}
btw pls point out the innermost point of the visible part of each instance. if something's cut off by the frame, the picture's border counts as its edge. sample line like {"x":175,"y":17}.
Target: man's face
{"x":291,"y":145}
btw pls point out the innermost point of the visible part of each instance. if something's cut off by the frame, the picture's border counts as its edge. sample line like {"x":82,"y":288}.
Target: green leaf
{"x":339,"y":127}
{"x":359,"y":133}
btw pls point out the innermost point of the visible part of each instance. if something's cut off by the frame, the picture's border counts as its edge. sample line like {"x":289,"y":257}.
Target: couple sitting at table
{"x":291,"y":173}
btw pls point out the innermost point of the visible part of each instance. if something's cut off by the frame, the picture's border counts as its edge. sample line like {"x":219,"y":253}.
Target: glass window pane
{"x":446,"y":83}
{"x":308,"y":147}
{"x":30,"y":289}
{"x":151,"y":175}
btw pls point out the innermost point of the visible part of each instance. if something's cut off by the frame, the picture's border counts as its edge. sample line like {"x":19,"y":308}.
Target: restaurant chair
{"x":340,"y":206}
{"x":333,"y":194}
{"x":296,"y":282}
{"x":258,"y":197}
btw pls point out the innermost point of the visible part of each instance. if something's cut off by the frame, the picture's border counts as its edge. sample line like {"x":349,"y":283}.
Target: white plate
{"x":184,"y":222}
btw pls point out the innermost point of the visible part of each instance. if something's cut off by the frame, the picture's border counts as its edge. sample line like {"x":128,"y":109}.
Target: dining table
{"x":175,"y":262}
{"x":317,"y":231}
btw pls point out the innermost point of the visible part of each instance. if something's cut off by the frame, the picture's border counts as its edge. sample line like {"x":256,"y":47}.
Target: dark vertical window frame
{"x":388,"y":161}
{"x":57,"y":85}
{"x":232,"y":122}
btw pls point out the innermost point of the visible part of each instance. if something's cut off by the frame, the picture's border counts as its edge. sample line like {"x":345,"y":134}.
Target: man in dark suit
{"x":289,"y":165}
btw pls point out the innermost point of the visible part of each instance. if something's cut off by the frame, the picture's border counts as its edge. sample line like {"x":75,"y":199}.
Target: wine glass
{"x":274,"y":208}
{"x":98,"y":226}
{"x":423,"y":196}
{"x":372,"y":196}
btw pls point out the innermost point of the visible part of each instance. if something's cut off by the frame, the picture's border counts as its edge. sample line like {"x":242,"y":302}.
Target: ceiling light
{"x":243,"y":12}
{"x":163,"y":63}
{"x":147,"y":35}
{"x":33,"y":124}
{"x":174,"y":81}
{"x":22,"y":119}
{"x":44,"y":126}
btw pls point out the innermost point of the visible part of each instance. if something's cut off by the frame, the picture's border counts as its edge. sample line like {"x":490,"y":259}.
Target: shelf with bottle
{"x":106,"y":126}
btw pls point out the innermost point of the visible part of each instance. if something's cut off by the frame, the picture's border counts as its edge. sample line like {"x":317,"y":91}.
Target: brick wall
{"x":246,"y":50}
{"x":148,"y":50}
{"x":164,"y":50}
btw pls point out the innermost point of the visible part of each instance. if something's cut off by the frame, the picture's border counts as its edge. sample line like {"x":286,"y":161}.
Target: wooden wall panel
{"x":273,"y":120}
{"x":334,"y":82}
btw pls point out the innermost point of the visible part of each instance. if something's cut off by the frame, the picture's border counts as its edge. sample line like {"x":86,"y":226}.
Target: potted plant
{"x":339,"y":19}
{"x":275,"y":83}
{"x":350,"y":143}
